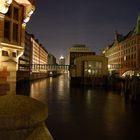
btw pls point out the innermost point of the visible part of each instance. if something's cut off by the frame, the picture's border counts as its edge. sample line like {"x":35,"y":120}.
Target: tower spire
{"x":138,"y":25}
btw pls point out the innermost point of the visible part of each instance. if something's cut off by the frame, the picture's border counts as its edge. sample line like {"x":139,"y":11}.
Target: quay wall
{"x":25,"y":75}
{"x":129,"y":86}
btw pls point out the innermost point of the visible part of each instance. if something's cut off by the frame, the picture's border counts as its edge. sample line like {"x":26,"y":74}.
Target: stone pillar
{"x":23,"y":118}
{"x":7,"y":69}
{"x":8,"y":78}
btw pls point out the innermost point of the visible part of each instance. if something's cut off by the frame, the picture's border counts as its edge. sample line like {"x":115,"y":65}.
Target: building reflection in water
{"x":89,"y":94}
{"x":38,"y":90}
{"x":52,"y":87}
{"x":75,"y":110}
{"x":114,"y":113}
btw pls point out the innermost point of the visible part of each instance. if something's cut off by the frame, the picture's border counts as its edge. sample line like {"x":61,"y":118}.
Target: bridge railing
{"x":42,"y":67}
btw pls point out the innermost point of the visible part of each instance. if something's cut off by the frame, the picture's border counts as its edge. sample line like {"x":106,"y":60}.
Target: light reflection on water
{"x":38,"y":90}
{"x":41,"y":89}
{"x":85,"y":113}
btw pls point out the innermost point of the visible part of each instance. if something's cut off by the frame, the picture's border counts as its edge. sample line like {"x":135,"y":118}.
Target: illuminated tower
{"x":14,"y":14}
{"x":61,"y":60}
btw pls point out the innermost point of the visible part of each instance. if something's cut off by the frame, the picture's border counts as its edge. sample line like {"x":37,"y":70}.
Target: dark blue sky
{"x":59,"y":24}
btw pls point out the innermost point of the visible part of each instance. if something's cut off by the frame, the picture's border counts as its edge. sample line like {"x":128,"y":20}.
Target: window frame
{"x":15,"y":23}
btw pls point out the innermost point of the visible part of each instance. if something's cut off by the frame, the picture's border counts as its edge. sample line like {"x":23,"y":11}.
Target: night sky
{"x":60,"y":24}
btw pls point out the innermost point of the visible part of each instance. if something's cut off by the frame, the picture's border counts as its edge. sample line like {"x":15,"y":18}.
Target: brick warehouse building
{"x":14,"y":14}
{"x":124,"y":53}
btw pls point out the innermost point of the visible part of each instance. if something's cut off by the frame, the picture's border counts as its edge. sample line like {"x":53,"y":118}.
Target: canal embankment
{"x":128,"y":85}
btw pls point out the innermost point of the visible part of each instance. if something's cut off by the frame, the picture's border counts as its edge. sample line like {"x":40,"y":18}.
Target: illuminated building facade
{"x":77,"y":51}
{"x":90,"y":66}
{"x":84,"y":63}
{"x":39,"y":55}
{"x":61,"y":60}
{"x":34,"y":53}
{"x":14,"y":14}
{"x":124,"y":53}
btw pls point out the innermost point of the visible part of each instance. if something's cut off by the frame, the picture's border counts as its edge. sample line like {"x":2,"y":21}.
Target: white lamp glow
{"x":26,"y":19}
{"x":9,"y":1}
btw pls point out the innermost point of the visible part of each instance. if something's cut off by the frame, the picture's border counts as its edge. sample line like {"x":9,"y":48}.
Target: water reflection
{"x":38,"y":90}
{"x":85,"y":113}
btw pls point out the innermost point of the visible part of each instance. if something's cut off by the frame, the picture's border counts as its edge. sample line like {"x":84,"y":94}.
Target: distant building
{"x":39,"y":55}
{"x":34,"y":53}
{"x":51,"y":59}
{"x":89,"y":66}
{"x":77,"y":51}
{"x":32,"y":64}
{"x":61,"y":60}
{"x":26,"y":57}
{"x":124,"y":53}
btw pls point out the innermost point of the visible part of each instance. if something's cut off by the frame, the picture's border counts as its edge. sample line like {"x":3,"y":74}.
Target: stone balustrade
{"x":23,"y":118}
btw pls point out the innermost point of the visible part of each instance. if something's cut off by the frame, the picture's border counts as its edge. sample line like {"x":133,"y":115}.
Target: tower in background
{"x":61,"y":60}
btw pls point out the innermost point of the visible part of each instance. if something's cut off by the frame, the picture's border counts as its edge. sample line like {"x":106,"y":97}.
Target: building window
{"x":12,"y":24}
{"x":4,"y":53}
{"x":14,"y":54}
{"x":7,"y":30}
{"x":15,"y":32}
{"x":92,"y":68}
{"x":16,"y":14}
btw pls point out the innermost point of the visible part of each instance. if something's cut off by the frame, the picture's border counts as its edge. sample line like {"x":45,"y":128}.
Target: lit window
{"x":92,"y":68}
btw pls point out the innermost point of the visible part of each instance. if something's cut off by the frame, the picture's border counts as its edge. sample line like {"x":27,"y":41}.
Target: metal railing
{"x":42,"y":67}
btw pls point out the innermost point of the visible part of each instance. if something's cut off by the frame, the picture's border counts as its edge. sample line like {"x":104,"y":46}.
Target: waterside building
{"x":124,"y":52}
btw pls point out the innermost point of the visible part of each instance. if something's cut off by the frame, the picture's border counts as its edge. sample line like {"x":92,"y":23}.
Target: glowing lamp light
{"x":9,"y":1}
{"x":23,"y":2}
{"x":26,"y":19}
{"x":89,"y":70}
{"x":89,"y":65}
{"x":4,"y":10}
{"x":28,"y":15}
{"x":124,"y":58}
{"x":61,"y":57}
{"x":31,"y":12}
{"x":4,"y":6}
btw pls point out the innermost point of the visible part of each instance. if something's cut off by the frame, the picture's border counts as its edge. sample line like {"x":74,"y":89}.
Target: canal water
{"x":85,"y":113}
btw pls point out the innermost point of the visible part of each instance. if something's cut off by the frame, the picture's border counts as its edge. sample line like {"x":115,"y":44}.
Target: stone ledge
{"x":21,"y":112}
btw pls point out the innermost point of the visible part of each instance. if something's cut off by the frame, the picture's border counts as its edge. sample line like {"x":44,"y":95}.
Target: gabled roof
{"x":129,"y":34}
{"x":119,"y":37}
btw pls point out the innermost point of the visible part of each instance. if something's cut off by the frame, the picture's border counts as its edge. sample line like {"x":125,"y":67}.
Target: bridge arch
{"x":131,"y":73}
